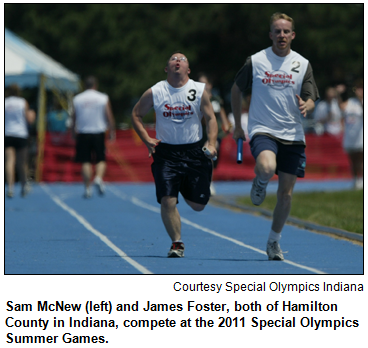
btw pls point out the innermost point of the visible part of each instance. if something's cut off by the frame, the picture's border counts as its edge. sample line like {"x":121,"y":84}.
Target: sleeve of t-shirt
{"x":309,"y":87}
{"x":244,"y":77}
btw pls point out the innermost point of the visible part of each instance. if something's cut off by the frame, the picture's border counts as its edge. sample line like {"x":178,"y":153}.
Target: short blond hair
{"x":278,"y":15}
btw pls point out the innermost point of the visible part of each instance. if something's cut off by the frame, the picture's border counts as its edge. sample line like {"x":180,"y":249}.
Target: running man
{"x":283,"y":90}
{"x":17,"y":118}
{"x":353,"y":143}
{"x":179,"y":164}
{"x":91,"y":117}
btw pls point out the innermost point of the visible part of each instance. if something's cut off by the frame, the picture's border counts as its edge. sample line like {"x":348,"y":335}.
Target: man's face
{"x":178,"y":63}
{"x":281,"y":36}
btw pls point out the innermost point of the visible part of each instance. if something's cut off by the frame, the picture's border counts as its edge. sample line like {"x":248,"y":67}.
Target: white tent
{"x":27,"y":66}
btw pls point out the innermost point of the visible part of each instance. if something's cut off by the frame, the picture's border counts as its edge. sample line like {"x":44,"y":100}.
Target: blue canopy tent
{"x":28,"y":67}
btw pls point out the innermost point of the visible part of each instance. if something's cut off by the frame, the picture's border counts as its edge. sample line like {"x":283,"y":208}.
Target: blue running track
{"x":55,"y":230}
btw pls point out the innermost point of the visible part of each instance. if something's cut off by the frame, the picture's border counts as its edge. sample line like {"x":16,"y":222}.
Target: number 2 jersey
{"x":178,"y":112}
{"x":275,"y":81}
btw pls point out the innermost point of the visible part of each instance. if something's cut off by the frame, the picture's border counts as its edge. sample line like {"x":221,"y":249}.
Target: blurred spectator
{"x":17,"y":117}
{"x":328,"y":113}
{"x":352,"y":109}
{"x":244,"y":116}
{"x":91,"y":118}
{"x":222,"y":120}
{"x":58,"y":122}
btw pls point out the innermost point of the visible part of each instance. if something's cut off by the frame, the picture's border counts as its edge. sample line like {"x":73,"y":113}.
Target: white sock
{"x":178,"y":241}
{"x":274,"y":236}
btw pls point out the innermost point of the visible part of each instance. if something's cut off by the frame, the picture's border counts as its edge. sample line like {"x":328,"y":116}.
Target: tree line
{"x":127,"y":45}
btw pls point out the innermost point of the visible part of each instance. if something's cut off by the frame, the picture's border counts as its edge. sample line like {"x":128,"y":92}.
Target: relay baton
{"x":239,"y":158}
{"x":208,"y":153}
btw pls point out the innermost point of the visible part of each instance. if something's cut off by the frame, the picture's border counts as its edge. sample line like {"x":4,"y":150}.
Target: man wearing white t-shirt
{"x":353,"y":143}
{"x":179,"y":164}
{"x":283,"y":90}
{"x":92,"y":116}
{"x":328,"y":113}
{"x":17,"y":118}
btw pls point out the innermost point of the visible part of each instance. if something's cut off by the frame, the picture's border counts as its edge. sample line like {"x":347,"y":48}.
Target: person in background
{"x":222,"y":120}
{"x":17,"y":118}
{"x":283,"y":91}
{"x":352,"y":110}
{"x":244,"y":116}
{"x":179,"y":164}
{"x":328,"y":113}
{"x":58,"y":122}
{"x":92,"y":116}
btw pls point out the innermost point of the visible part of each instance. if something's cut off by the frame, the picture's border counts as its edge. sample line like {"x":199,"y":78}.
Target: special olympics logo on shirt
{"x":278,"y":79}
{"x":178,"y":113}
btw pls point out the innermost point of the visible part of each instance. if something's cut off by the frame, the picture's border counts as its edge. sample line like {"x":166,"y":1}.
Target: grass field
{"x":343,"y":209}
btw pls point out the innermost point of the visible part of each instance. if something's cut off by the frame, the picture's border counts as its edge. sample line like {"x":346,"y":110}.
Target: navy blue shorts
{"x":90,"y":148}
{"x":184,"y":169}
{"x":290,"y":159}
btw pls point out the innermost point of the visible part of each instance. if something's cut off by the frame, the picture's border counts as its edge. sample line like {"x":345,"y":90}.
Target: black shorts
{"x":184,"y":169}
{"x":16,"y":142}
{"x":290,"y":159}
{"x":90,"y":148}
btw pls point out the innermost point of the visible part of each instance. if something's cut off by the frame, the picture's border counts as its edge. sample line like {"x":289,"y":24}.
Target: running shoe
{"x":10,"y":194}
{"x":177,"y":250}
{"x":25,"y":190}
{"x":87,"y":193}
{"x":358,"y":184}
{"x":274,"y":251}
{"x":258,"y":193}
{"x":100,"y":185}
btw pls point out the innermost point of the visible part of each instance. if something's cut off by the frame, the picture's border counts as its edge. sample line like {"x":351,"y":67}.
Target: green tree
{"x":126,"y":45}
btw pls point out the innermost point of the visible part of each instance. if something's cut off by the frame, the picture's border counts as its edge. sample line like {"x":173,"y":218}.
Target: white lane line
{"x":98,"y":234}
{"x":142,"y":204}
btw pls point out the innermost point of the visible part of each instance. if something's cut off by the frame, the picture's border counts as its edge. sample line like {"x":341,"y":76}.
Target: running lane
{"x":56,"y":231}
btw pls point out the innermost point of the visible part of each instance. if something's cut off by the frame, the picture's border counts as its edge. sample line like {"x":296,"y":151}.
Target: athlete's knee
{"x":168,"y":202}
{"x":198,"y":207}
{"x":195,"y":206}
{"x":284,"y":198}
{"x":266,"y":165}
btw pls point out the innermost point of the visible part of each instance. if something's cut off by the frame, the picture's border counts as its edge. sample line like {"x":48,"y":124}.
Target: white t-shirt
{"x":178,"y":112}
{"x":353,"y":117}
{"x":90,"y":111}
{"x":323,"y":109}
{"x":274,"y":108}
{"x":15,"y":117}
